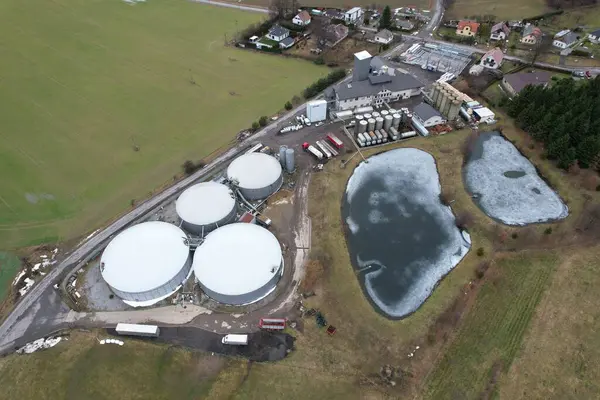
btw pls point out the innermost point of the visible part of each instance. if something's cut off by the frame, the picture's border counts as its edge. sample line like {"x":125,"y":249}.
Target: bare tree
{"x":540,"y":47}
{"x":281,"y":9}
{"x":320,"y":31}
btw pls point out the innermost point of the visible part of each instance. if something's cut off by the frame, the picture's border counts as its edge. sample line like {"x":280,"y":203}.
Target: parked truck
{"x":236,"y":340}
{"x":323,"y":149}
{"x":312,"y":150}
{"x":330,"y":148}
{"x":138,"y":330}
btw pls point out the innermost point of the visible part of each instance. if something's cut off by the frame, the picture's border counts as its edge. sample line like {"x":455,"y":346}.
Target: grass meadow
{"x":85,"y":83}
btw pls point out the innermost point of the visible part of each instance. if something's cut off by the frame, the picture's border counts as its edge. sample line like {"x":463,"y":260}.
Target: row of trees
{"x":323,"y":83}
{"x":565,"y":117}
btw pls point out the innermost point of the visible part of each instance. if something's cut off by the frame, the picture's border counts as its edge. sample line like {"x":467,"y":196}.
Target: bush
{"x":262,"y":121}
{"x":255,"y":125}
{"x":111,"y":296}
{"x":288,"y":106}
{"x":548,"y":231}
{"x":514,"y":235}
{"x":319,"y":61}
{"x":480,"y":252}
{"x":324,"y":83}
{"x":481,"y":269}
{"x":189,"y":167}
{"x":598,"y":188}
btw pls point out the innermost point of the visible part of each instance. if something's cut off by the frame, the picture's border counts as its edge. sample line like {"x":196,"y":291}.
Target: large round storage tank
{"x":146,"y":263}
{"x":371,"y":124}
{"x":258,"y":175}
{"x":362,"y":126}
{"x":378,"y":123}
{"x":238,"y":264}
{"x":206,"y":206}
{"x":290,"y":163}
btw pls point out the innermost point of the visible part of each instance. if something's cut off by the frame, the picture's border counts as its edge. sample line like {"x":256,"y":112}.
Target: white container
{"x":236,"y":340}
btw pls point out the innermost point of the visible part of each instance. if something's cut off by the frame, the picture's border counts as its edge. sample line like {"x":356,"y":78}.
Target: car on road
{"x":579,"y":74}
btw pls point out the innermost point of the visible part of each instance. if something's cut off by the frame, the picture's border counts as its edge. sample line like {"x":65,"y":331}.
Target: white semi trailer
{"x":138,"y":330}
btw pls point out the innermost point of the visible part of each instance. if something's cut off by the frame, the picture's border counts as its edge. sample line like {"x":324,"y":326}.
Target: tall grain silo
{"x":435,"y":92}
{"x":396,"y":118}
{"x":371,"y":124}
{"x":282,"y":150}
{"x":446,"y":109}
{"x":387,"y":122}
{"x":290,"y":163}
{"x":378,"y":123}
{"x":362,"y":126}
{"x":257,"y":175}
{"x":454,"y":110}
{"x":443,"y":102}
{"x":206,"y":206}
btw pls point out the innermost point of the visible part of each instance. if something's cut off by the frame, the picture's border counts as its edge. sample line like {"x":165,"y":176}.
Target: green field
{"x":86,"y":82}
{"x":9,"y":265}
{"x":512,"y":9}
{"x":81,"y":368}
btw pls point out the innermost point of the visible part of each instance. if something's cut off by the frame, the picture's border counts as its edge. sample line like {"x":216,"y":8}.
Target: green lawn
{"x":85,"y":82}
{"x":491,"y":336}
{"x":81,"y":368}
{"x":512,"y":9}
{"x":9,"y":265}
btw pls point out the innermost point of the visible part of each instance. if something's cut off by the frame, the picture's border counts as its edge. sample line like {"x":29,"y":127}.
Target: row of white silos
{"x":446,"y":99}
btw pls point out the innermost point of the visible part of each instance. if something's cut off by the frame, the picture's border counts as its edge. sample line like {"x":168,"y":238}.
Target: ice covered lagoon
{"x":402,"y":239}
{"x":506,"y":185}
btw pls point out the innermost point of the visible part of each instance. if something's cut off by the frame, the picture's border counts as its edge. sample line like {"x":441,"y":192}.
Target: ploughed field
{"x":102,"y":102}
{"x":402,"y":239}
{"x":507,"y":186}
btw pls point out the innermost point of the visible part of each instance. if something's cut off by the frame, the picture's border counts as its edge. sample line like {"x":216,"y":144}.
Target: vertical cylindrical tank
{"x":392,"y":111}
{"x":443,"y":102}
{"x":290,"y":163}
{"x":359,"y":117}
{"x":371,"y":124}
{"x":440,"y":98}
{"x":282,"y":150}
{"x":357,"y":128}
{"x":367,"y":116}
{"x":384,"y":113}
{"x":435,"y":92}
{"x":362,"y":126}
{"x":396,"y":120}
{"x":454,"y":110}
{"x":446,"y":109}
{"x":378,"y":123}
{"x":387,"y":122}
{"x":375,"y":114}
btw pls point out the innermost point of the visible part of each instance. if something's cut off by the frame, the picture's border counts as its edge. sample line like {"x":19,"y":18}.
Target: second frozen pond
{"x":402,"y":240}
{"x":507,"y":186}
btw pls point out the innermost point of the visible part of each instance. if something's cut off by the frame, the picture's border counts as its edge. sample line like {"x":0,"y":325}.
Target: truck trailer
{"x":335,"y":141}
{"x":236,"y":340}
{"x":323,"y":149}
{"x":138,"y":330}
{"x":312,"y":150}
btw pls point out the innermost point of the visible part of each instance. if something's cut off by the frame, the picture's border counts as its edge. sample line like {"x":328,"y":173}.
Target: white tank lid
{"x":205,"y":203}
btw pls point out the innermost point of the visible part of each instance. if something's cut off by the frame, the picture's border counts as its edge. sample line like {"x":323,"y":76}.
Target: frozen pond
{"x":506,"y":185}
{"x":402,"y":240}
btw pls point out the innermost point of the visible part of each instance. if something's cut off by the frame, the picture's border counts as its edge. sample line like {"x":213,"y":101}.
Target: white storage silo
{"x":378,"y":123}
{"x":282,"y":150}
{"x":387,"y":122}
{"x":384,"y":113}
{"x":238,"y":264}
{"x":362,"y":126}
{"x":370,"y":124}
{"x":290,"y":163}
{"x":257,"y":175}
{"x":146,"y":263}
{"x":206,"y":206}
{"x":375,"y":114}
{"x":367,"y":116}
{"x":396,"y":120}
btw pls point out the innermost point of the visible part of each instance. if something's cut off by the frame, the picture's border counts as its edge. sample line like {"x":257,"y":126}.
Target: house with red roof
{"x":467,"y":28}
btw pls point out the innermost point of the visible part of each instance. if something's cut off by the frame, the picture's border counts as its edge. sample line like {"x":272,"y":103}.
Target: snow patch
{"x":514,"y":201}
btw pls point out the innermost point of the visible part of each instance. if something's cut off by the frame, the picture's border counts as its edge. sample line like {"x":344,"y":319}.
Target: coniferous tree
{"x":558,"y":146}
{"x":587,"y":151}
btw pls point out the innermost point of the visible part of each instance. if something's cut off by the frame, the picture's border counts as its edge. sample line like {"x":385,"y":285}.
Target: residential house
{"x":531,"y":34}
{"x":404,"y":24}
{"x":287,"y":42}
{"x":374,"y":82}
{"x":564,"y":39}
{"x":594,"y":36}
{"x":278,"y":33}
{"x":428,"y":116}
{"x":384,"y":36}
{"x":302,"y":19}
{"x":500,"y":31}
{"x":467,"y":28}
{"x":354,"y":16}
{"x":515,"y":25}
{"x":492,"y":59}
{"x":514,"y":83}
{"x":335,"y":34}
{"x":334,"y":14}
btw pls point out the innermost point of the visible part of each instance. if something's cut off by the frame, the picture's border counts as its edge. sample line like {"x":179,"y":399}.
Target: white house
{"x":278,"y":33}
{"x":594,"y":36}
{"x":564,"y":39}
{"x":492,"y":59}
{"x":500,"y":31}
{"x":428,"y":116}
{"x":302,"y":19}
{"x":384,"y":36}
{"x":354,"y":16}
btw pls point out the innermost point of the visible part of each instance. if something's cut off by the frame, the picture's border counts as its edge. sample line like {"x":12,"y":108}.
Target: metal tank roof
{"x":205,"y":203}
{"x":144,"y":257}
{"x":254,"y":170}
{"x":237,"y":259}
